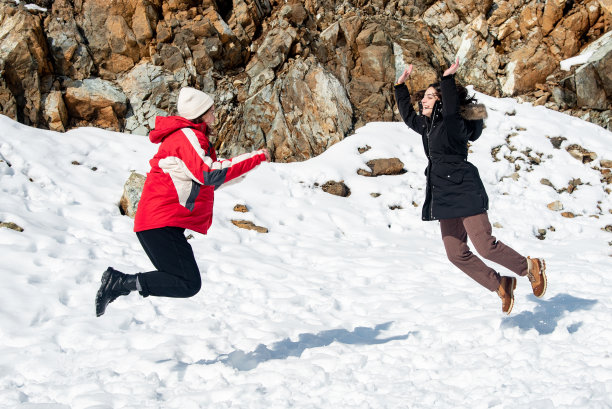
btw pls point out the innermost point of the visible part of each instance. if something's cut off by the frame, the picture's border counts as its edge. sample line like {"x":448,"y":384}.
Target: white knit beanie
{"x":191,"y":103}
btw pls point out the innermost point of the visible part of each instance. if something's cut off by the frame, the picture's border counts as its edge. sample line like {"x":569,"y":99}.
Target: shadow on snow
{"x":245,"y":361}
{"x":547,"y":314}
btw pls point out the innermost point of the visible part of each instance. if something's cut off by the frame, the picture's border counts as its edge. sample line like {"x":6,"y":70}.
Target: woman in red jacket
{"x":178,"y":194}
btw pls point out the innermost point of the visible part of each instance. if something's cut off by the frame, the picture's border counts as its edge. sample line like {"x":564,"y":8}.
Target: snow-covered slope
{"x":345,"y":303}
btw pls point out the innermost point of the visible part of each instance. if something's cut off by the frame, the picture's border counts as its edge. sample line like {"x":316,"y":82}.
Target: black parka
{"x":454,"y":188}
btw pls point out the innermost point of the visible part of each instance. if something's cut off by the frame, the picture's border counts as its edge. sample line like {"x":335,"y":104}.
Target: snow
{"x":345,"y":303}
{"x":588,"y":52}
{"x":32,"y":6}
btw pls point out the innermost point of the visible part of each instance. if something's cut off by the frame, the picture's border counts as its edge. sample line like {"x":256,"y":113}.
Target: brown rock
{"x":567,"y":34}
{"x":553,"y":11}
{"x":555,"y":206}
{"x":569,"y":215}
{"x":380,"y":167}
{"x":97,"y":101}
{"x":376,"y":61}
{"x":557,"y":141}
{"x":248,"y":225}
{"x":581,"y":154}
{"x":528,"y":65}
{"x":55,"y":111}
{"x":143,"y":23}
{"x":24,"y":63}
{"x":11,"y":225}
{"x":547,"y":182}
{"x":530,"y":18}
{"x":292,"y":50}
{"x":303,"y":112}
{"x":589,"y":91}
{"x":121,"y":38}
{"x":241,"y":208}
{"x":336,"y":188}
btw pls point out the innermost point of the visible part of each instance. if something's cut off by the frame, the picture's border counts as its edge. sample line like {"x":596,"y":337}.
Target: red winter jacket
{"x":179,"y":190}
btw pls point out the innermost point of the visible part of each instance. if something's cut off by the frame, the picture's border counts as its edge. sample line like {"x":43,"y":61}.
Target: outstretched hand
{"x":405,"y":75}
{"x":452,"y":69}
{"x":267,"y":153}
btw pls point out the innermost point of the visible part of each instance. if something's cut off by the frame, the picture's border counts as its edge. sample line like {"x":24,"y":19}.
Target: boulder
{"x":67,"y":45}
{"x":272,"y":53}
{"x":528,"y":66}
{"x":580,"y":153}
{"x":248,"y":225}
{"x":132,"y":190}
{"x":11,"y":225}
{"x":298,"y":116}
{"x":151,"y":92}
{"x":241,"y":208}
{"x":96,"y":101}
{"x":380,"y":167}
{"x":336,"y":188}
{"x":55,"y":112}
{"x":295,"y":76}
{"x":24,"y":63}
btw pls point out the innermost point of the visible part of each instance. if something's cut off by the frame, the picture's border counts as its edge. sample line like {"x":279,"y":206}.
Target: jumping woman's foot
{"x":536,"y":273}
{"x":506,"y":293}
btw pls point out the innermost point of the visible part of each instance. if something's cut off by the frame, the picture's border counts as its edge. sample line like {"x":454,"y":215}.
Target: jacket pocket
{"x":453,"y":174}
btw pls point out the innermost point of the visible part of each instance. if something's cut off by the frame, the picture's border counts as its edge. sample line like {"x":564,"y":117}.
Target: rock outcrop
{"x":294,"y":76}
{"x":132,"y":190}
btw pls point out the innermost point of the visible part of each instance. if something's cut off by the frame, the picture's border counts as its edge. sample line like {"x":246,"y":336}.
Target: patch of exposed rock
{"x":293,"y":76}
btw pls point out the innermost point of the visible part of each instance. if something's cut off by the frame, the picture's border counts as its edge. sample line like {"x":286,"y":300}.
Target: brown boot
{"x":506,"y":293}
{"x":536,"y":273}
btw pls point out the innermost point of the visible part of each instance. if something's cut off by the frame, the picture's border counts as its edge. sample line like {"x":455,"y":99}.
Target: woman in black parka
{"x":455,"y":195}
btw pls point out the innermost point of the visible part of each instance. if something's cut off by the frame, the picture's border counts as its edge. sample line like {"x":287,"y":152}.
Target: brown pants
{"x":478,"y":228}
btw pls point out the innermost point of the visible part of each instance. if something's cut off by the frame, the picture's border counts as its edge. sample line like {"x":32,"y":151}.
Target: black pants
{"x":177,"y":272}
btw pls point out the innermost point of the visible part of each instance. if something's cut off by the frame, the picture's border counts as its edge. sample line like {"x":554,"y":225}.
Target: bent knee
{"x":193,"y":287}
{"x":487,"y":250}
{"x":458,"y":256}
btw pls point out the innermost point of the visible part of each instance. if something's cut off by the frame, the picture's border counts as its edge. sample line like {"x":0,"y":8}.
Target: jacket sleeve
{"x":455,"y":124}
{"x":202,"y":169}
{"x":406,"y":110}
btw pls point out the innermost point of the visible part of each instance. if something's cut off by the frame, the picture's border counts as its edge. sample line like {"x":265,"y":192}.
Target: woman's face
{"x":428,"y":101}
{"x":209,"y":117}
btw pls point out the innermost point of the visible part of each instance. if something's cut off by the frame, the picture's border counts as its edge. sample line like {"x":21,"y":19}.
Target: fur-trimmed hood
{"x":473,"y":112}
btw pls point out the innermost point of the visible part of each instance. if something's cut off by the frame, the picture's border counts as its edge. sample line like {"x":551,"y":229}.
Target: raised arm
{"x":451,"y":104}
{"x":404,"y":103}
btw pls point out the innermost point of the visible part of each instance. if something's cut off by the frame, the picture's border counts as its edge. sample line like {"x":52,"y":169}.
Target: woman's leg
{"x":454,"y":237}
{"x":479,"y":230}
{"x":177,"y":273}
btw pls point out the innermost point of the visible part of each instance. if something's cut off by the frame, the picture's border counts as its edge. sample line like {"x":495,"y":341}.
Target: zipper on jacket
{"x":433,"y":118}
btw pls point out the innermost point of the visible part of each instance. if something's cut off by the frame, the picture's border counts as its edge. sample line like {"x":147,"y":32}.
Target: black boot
{"x":114,"y":284}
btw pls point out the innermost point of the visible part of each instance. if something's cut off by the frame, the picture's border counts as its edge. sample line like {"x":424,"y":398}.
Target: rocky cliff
{"x":295,"y":76}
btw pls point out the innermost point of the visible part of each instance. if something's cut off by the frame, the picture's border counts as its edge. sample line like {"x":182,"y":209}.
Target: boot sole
{"x":544,"y":280}
{"x":512,"y":296}
{"x":100,"y":310}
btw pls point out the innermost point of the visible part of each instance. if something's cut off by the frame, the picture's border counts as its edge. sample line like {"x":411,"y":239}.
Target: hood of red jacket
{"x":166,"y":125}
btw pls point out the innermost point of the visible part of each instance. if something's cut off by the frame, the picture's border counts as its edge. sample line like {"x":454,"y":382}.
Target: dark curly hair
{"x":462,"y":92}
